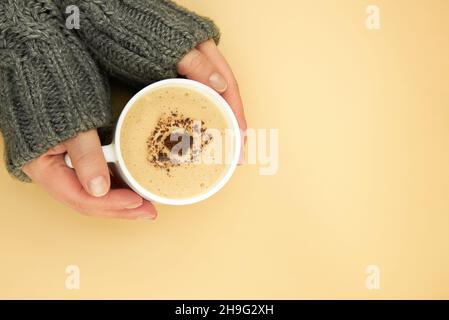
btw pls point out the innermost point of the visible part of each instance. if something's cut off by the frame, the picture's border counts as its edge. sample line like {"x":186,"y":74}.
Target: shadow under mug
{"x":112,"y":152}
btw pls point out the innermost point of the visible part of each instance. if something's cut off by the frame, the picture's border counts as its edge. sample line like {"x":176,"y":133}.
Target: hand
{"x":87,"y":189}
{"x":206,"y":64}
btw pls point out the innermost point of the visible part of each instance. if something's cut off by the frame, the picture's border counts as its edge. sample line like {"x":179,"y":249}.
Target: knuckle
{"x":197,"y":62}
{"x":90,"y":161}
{"x":82,"y":157}
{"x":192,"y":62}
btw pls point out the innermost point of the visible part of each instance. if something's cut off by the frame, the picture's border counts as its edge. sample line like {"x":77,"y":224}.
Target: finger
{"x":115,"y":199}
{"x":232,"y":94}
{"x":196,"y":66}
{"x":146,"y":211}
{"x":63,"y":184}
{"x":89,"y":163}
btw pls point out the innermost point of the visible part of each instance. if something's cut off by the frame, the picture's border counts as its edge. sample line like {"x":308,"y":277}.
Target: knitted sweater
{"x":140,"y":41}
{"x":51,"y":87}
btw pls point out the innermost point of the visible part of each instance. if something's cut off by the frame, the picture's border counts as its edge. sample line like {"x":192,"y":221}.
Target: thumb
{"x":89,"y":163}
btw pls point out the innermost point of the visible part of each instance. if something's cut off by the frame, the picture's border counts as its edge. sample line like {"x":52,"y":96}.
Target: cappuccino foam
{"x":165,"y":137}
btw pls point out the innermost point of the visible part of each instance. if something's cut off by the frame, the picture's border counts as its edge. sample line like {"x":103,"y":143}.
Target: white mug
{"x":112,"y":152}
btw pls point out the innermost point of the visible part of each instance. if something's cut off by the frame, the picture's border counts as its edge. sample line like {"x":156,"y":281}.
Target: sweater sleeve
{"x":140,"y":41}
{"x":50,"y":87}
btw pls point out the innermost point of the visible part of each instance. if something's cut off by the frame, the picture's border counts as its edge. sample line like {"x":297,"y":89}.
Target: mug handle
{"x":108,"y":152}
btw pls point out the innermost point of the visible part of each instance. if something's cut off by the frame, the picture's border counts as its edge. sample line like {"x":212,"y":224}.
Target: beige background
{"x":363,"y":177}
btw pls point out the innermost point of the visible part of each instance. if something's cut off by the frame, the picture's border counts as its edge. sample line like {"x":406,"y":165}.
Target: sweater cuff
{"x":141,"y":41}
{"x":48,"y":93}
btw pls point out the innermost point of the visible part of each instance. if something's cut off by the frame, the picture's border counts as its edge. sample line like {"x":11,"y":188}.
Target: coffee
{"x":174,"y":142}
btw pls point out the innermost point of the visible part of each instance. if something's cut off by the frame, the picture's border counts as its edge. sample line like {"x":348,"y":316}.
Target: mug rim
{"x":218,"y":101}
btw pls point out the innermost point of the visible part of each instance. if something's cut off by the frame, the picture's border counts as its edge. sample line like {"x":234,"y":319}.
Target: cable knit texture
{"x":50,"y":87}
{"x":140,"y":41}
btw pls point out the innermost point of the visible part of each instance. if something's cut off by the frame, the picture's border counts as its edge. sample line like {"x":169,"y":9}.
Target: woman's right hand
{"x":86,"y":189}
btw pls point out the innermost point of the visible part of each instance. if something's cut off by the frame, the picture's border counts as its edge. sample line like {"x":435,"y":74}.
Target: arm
{"x":52,"y":97}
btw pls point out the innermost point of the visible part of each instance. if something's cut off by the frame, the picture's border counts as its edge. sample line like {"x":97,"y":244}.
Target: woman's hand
{"x":87,"y":188}
{"x":206,"y":64}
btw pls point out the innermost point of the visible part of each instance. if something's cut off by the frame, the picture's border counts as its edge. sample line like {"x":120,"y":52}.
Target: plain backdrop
{"x":363,"y":179}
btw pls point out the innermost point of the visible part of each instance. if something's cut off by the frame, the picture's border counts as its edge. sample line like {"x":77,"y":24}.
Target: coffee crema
{"x":165,"y":138}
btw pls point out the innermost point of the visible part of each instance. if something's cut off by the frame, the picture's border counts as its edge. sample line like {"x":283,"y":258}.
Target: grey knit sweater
{"x":51,"y":78}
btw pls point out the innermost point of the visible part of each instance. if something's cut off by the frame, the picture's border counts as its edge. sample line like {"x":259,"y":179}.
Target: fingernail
{"x":98,"y":187}
{"x":218,"y":82}
{"x":134,"y":205}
